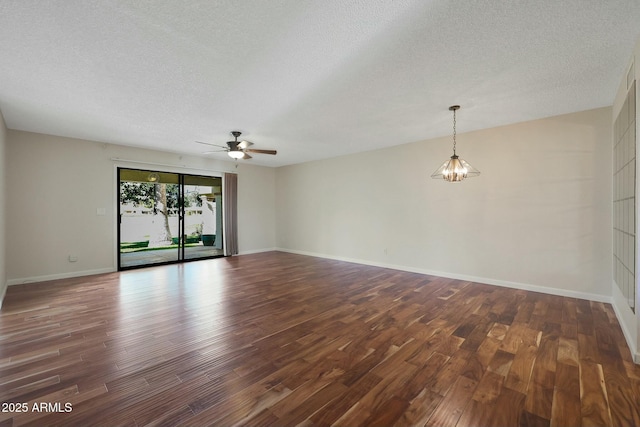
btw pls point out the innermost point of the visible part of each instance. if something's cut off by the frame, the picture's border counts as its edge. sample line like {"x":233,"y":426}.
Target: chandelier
{"x":455,"y":169}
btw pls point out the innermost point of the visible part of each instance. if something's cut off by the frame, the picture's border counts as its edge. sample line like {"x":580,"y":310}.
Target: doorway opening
{"x":167,"y":217}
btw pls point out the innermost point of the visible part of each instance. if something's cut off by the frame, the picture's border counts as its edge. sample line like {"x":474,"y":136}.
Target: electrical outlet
{"x":73,"y":258}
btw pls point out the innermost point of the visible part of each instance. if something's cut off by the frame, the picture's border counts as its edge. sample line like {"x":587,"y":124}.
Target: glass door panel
{"x":202,"y":217}
{"x":149,"y":217}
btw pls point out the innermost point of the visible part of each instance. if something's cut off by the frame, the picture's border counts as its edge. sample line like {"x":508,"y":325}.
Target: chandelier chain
{"x":454,"y":132}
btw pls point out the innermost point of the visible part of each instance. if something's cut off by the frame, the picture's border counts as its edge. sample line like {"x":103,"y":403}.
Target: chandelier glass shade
{"x":455,"y":169}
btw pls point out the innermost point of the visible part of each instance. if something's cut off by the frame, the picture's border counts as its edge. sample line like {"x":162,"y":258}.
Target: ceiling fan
{"x":237,"y":149}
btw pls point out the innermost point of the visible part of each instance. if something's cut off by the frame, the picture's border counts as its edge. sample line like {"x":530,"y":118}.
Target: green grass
{"x":133,"y":245}
{"x":127,"y":247}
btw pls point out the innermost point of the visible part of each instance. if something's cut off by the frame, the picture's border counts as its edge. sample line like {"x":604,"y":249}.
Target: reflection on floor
{"x":134,"y":259}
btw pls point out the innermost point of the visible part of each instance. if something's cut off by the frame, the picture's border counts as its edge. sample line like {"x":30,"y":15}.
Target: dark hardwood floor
{"x":282,"y":339}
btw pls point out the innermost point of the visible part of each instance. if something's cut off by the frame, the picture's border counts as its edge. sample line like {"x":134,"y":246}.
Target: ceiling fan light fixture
{"x":237,"y":149}
{"x":236,"y":154}
{"x":455,"y":169}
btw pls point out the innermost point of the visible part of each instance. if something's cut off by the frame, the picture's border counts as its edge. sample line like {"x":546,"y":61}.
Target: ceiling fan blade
{"x":244,"y":144}
{"x":209,"y":144}
{"x":214,"y":151}
{"x":252,"y":150}
{"x":247,"y":157}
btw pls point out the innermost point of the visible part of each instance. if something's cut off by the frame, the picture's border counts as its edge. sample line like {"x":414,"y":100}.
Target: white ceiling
{"x":312,"y":79}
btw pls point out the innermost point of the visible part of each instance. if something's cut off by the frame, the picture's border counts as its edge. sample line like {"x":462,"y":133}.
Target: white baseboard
{"x":628,"y":335}
{"x":488,"y":281}
{"x":631,"y":343}
{"x":45,"y":278}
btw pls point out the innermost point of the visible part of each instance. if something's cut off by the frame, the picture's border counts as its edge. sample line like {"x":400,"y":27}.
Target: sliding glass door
{"x":167,"y":217}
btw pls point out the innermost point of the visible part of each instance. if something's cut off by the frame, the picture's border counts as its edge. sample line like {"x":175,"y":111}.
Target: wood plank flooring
{"x":277,"y":339}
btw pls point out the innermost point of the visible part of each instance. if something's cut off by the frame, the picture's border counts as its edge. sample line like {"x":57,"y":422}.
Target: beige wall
{"x":256,"y":209}
{"x":630,"y":321}
{"x":539,"y":216}
{"x":3,"y":226}
{"x":57,"y":185}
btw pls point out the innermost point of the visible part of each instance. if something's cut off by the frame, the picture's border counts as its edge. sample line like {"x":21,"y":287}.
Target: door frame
{"x":151,"y":168}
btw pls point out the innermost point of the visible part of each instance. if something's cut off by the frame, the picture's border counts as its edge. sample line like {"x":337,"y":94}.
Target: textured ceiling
{"x":312,"y":79}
